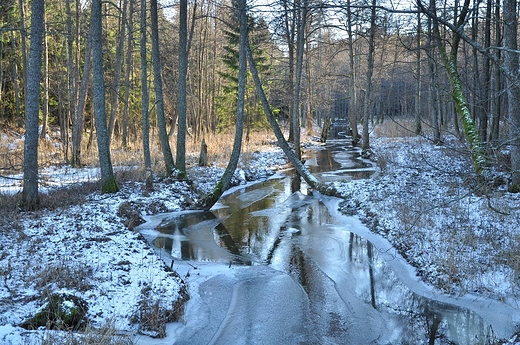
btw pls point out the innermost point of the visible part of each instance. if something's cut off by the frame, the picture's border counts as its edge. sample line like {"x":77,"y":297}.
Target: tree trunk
{"x":1,"y":77}
{"x":370,"y":70}
{"x":23,"y":34}
{"x":225,"y":180}
{"x":43,"y":133}
{"x":459,"y":99}
{"x":157,"y":80}
{"x":309,"y":104}
{"x":128,"y":72}
{"x":418,"y":76}
{"x":203,"y":158}
{"x":118,"y":68}
{"x":325,"y":129}
{"x":181,"y":87}
{"x":496,"y":108}
{"x":513,"y":88}
{"x":72,"y":93}
{"x":30,"y":197}
{"x":16,"y":85}
{"x":432,"y":89}
{"x":145,"y":101}
{"x":284,"y":145}
{"x":486,"y":77}
{"x":79,"y":120}
{"x":290,"y":38}
{"x":352,"y":91}
{"x":108,"y":180}
{"x":296,"y":110}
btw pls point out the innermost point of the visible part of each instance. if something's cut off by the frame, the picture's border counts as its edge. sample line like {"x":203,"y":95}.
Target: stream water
{"x":274,"y":264}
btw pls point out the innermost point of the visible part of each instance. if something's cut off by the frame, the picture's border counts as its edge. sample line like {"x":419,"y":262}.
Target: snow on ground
{"x":462,"y":233}
{"x":86,"y":250}
{"x":459,"y":232}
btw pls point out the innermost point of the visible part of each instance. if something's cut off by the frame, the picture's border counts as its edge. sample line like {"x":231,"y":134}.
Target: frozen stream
{"x":271,"y":264}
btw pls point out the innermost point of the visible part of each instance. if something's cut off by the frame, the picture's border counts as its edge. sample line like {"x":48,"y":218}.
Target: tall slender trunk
{"x":181,"y":87}
{"x":158,"y":86}
{"x":496,"y":108}
{"x":309,"y":99}
{"x":108,"y":180}
{"x":225,"y":180}
{"x":79,"y":121}
{"x":284,"y":145}
{"x":290,"y":38}
{"x":459,"y":98}
{"x":352,"y":91}
{"x":513,"y":88}
{"x":296,"y":110}
{"x":486,"y":77}
{"x":23,"y":35}
{"x":30,"y":197}
{"x":128,"y":72}
{"x":118,"y":68}
{"x":145,"y":101}
{"x":418,"y":76}
{"x":432,"y":89}
{"x":1,"y":77}
{"x":16,"y":85}
{"x":43,"y":132}
{"x":370,"y":70}
{"x":71,"y":79}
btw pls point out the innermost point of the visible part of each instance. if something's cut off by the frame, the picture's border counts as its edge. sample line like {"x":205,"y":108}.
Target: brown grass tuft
{"x":395,"y":128}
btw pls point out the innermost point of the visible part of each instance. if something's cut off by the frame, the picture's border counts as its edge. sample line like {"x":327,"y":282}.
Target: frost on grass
{"x":88,"y":250}
{"x":461,"y":236}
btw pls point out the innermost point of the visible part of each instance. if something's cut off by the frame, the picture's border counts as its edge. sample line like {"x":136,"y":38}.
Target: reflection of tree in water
{"x":423,"y":321}
{"x":433,"y":320}
{"x":278,"y":237}
{"x":371,"y":274}
{"x":226,"y":241}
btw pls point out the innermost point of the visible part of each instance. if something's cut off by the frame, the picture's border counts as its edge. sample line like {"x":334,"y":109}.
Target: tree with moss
{"x":450,"y":65}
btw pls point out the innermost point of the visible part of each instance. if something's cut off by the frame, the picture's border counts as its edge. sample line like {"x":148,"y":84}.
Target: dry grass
{"x":63,"y":274}
{"x":128,"y":163}
{"x":395,"y":128}
{"x":153,"y":315}
{"x":105,"y":335}
{"x":219,"y":145}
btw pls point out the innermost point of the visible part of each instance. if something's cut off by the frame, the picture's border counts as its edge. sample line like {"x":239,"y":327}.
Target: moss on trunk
{"x":109,"y":186}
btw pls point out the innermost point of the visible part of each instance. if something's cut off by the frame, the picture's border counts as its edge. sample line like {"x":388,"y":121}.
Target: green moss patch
{"x":59,"y":311}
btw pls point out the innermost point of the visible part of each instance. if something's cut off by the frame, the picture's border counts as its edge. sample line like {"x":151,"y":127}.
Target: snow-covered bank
{"x":461,"y":233}
{"x":87,"y":250}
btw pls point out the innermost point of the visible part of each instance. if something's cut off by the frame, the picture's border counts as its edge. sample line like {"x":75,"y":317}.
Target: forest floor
{"x":459,"y":231}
